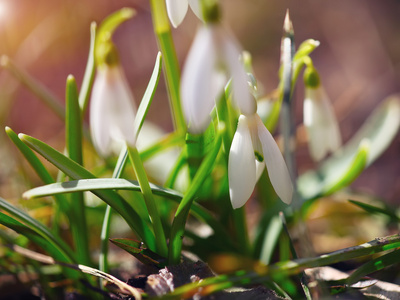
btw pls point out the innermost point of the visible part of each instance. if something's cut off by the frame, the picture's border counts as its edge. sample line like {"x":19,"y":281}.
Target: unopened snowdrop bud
{"x":112,"y":112}
{"x":212,"y":60}
{"x":177,"y":9}
{"x":253,"y":148}
{"x":319,"y":118}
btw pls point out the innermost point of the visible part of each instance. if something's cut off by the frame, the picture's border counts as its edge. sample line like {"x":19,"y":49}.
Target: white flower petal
{"x":321,"y":124}
{"x":240,"y":88}
{"x":176,"y":10}
{"x":112,"y":112}
{"x":196,"y":8}
{"x":276,"y":166}
{"x":200,"y":83}
{"x":241,"y":166}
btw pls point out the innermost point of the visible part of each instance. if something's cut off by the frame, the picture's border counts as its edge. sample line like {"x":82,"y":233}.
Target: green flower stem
{"x":162,"y":30}
{"x":239,"y":220}
{"x":178,"y":225}
{"x":140,"y":172}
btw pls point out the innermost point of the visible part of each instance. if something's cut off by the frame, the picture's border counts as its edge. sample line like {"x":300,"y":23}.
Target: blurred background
{"x":359,"y":63}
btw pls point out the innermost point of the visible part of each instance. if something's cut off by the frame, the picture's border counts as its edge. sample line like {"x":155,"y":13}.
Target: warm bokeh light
{"x":3,"y":9}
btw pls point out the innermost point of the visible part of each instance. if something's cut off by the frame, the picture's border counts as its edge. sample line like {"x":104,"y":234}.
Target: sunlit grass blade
{"x":73,"y":135}
{"x":374,"y":265}
{"x":97,"y":184}
{"x":39,"y":240}
{"x":37,"y":88}
{"x":148,"y":95}
{"x":88,"y":78}
{"x":39,"y":228}
{"x":377,"y":210}
{"x":140,"y":172}
{"x":75,"y":171}
{"x":39,"y":168}
{"x":178,"y":225}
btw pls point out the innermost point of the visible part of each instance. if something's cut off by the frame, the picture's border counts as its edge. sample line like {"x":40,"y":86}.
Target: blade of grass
{"x":178,"y":225}
{"x":140,"y":172}
{"x":390,"y":212}
{"x":33,"y":236}
{"x":39,"y":228}
{"x":73,"y":135}
{"x":148,"y":95}
{"x":41,"y":171}
{"x":75,"y":171}
{"x":97,"y":184}
{"x":88,"y":77}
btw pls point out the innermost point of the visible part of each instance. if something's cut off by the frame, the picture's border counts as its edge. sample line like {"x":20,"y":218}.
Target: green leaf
{"x":137,"y":249}
{"x":305,"y":49}
{"x":36,"y":238}
{"x":148,"y":95}
{"x":97,"y":184}
{"x":75,"y":171}
{"x":374,"y":265}
{"x":378,"y":130}
{"x":88,"y":78}
{"x":73,"y":135}
{"x":40,"y":229}
{"x":390,"y":212}
{"x":178,"y":225}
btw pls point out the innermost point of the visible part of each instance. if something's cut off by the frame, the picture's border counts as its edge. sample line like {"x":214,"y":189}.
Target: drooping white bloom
{"x":177,"y":10}
{"x":253,"y":148}
{"x":212,"y":60}
{"x":112,"y":112}
{"x":320,"y":122}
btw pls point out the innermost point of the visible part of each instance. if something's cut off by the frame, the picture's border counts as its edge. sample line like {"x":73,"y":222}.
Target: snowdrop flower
{"x":112,"y":112}
{"x":177,"y":10}
{"x":212,"y":60}
{"x":253,"y":148}
{"x":319,"y":118}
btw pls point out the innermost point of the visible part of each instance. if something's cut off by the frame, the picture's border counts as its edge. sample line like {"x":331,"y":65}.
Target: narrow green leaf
{"x":390,"y":212}
{"x":148,"y":95}
{"x":171,"y":66}
{"x":42,"y":172}
{"x":88,"y":78}
{"x":39,"y":228}
{"x":374,"y":265}
{"x":33,"y":236}
{"x":75,"y":171}
{"x":178,"y":225}
{"x":136,"y":249}
{"x":73,"y":134}
{"x":152,"y":208}
{"x":97,"y":184}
